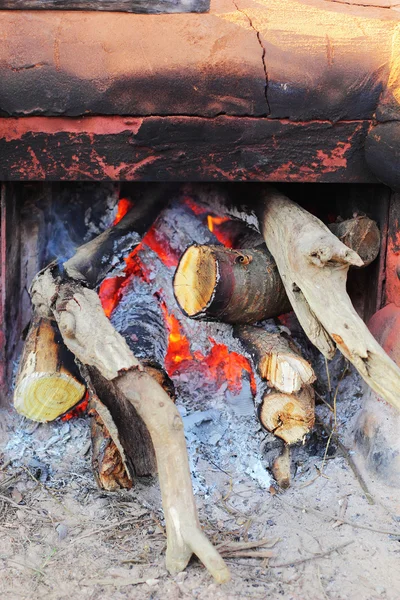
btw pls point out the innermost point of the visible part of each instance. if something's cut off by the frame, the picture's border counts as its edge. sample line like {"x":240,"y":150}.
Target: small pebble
{"x":62,"y":531}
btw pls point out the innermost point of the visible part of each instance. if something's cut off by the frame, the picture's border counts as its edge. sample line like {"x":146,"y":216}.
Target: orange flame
{"x":222,"y":235}
{"x":228,"y":366}
{"x":124,"y":206}
{"x":178,"y":344}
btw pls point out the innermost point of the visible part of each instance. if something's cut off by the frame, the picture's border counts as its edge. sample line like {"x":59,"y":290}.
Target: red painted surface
{"x":15,"y":128}
{"x":385,"y":327}
{"x":393,"y":267}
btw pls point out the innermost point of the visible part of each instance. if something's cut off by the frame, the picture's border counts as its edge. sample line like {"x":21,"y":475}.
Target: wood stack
{"x":136,"y":427}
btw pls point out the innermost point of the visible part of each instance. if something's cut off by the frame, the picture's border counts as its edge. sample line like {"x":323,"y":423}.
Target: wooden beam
{"x":132,"y":6}
{"x":182,"y":149}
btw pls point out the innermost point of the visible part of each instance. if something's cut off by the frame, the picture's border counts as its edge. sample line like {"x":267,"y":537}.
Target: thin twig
{"x":328,"y":376}
{"x":24,"y":508}
{"x":106,"y":528}
{"x":313,"y":557}
{"x":325,"y":515}
{"x":350,"y":461}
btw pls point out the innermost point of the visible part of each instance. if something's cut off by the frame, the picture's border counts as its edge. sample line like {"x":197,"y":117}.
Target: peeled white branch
{"x":313,"y":265}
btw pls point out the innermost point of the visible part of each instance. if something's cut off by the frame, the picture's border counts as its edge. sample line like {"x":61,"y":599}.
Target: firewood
{"x":277,"y":360}
{"x":361,"y":234}
{"x":94,"y":260}
{"x":281,"y":468}
{"x":234,"y":286}
{"x":288,"y":416}
{"x":109,"y":468}
{"x":244,"y":285}
{"x":94,"y":341}
{"x":48,"y":382}
{"x":313,"y":265}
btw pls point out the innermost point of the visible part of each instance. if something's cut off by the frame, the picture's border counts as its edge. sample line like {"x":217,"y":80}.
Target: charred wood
{"x":94,"y":260}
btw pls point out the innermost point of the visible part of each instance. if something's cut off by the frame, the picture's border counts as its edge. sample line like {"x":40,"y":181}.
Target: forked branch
{"x":313,"y":264}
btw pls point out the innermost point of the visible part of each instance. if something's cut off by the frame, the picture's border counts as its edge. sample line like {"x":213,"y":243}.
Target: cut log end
{"x":43,"y":397}
{"x":46,"y":383}
{"x":286,"y":372}
{"x":288,"y":416}
{"x":195,"y":280}
{"x":276,"y":358}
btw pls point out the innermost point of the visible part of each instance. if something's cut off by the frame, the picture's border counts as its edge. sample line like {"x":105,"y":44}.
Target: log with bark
{"x":108,"y":456}
{"x":244,"y":285}
{"x":276,"y":358}
{"x":234,"y":286}
{"x":361,"y":234}
{"x":313,"y":265}
{"x":288,"y":416}
{"x":48,"y":382}
{"x":140,"y":320}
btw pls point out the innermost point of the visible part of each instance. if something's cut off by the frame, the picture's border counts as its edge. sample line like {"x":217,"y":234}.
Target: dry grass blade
{"x":237,"y":546}
{"x":106,"y":528}
{"x":313,"y":557}
{"x":31,"y":511}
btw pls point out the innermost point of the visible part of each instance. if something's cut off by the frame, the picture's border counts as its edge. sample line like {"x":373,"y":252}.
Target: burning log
{"x":94,"y":260}
{"x":313,"y":264}
{"x":48,"y":382}
{"x":233,"y":286}
{"x":276,"y":358}
{"x":288,"y":416}
{"x":244,"y":286}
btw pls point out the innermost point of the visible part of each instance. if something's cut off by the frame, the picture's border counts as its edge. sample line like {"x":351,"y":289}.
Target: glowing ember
{"x":78,"y":410}
{"x":198,"y":209}
{"x":228,"y":366}
{"x":109,"y":293}
{"x":161,"y":247}
{"x":178,"y":345}
{"x":124,"y":206}
{"x":221,"y":364}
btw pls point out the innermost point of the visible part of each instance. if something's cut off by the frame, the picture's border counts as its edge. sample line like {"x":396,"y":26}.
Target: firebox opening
{"x":196,"y":296}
